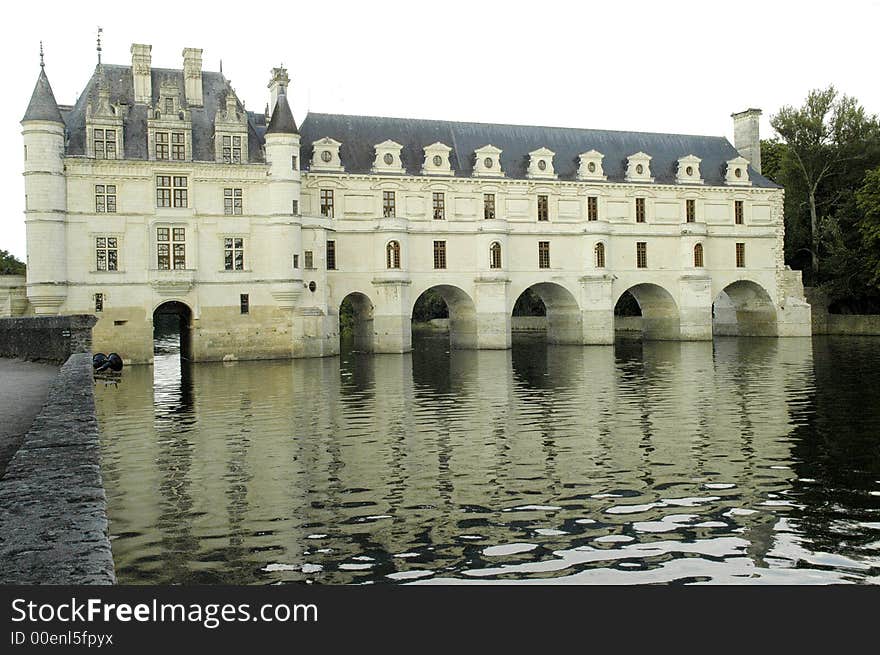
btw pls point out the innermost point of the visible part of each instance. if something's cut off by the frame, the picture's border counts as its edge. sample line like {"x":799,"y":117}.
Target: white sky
{"x":631,"y":65}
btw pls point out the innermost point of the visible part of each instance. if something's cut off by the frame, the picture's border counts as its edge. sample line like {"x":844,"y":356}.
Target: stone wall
{"x":47,"y":338}
{"x":53,"y":511}
{"x":852,"y":324}
{"x":13,"y":295}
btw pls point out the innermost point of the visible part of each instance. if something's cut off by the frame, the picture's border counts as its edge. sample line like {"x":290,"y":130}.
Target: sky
{"x":680,"y":67}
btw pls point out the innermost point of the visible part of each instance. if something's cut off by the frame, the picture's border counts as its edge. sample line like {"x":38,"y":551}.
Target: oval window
{"x":488,"y":163}
{"x":388,"y":158}
{"x":542,"y":165}
{"x":738,"y":172}
{"x":591,"y":167}
{"x":326,"y":156}
{"x":438,"y":160}
{"x":640,"y":169}
{"x":690,"y":171}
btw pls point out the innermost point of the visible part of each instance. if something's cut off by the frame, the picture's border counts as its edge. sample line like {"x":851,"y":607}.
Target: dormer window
{"x":388,"y":158}
{"x":230,"y":132}
{"x":326,"y":155}
{"x":231,"y":149}
{"x":169,"y":106}
{"x":689,"y":170}
{"x":436,"y":160}
{"x":638,"y":168}
{"x":541,"y":164}
{"x":487,"y":162}
{"x":590,"y":167}
{"x":738,"y":172}
{"x":104,"y":143}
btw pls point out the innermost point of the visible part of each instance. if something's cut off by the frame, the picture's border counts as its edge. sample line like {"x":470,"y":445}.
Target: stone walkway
{"x":23,"y":390}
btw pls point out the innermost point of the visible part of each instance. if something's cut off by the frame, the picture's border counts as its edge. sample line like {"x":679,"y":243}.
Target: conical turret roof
{"x":42,"y":106}
{"x":282,"y":118}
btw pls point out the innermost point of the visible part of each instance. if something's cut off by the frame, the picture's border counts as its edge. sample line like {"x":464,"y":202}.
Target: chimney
{"x":192,"y":75}
{"x":746,"y":136}
{"x":140,"y":72}
{"x":277,"y":86}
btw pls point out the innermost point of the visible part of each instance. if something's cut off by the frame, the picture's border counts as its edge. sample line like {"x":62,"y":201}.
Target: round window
{"x":312,"y":286}
{"x":438,"y":160}
{"x":488,"y":163}
{"x":542,"y":165}
{"x":738,"y":172}
{"x":690,"y":171}
{"x":388,"y":158}
{"x":640,"y":169}
{"x":326,"y":156}
{"x":591,"y":167}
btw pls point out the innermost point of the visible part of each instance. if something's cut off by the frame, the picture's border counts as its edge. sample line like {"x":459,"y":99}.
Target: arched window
{"x":495,"y":255}
{"x":698,"y":255}
{"x":600,"y":255}
{"x":392,"y":254}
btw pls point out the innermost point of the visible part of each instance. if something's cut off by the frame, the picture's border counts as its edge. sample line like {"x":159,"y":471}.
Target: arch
{"x":356,"y":322}
{"x":173,"y":328}
{"x":657,"y":317}
{"x":561,"y":322}
{"x":392,"y":255}
{"x":698,"y":255}
{"x":495,"y":255}
{"x":461,"y":314}
{"x":744,"y":308}
{"x":599,"y":255}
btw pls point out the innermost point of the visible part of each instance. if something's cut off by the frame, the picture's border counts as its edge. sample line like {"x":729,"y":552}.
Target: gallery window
{"x":489,"y":206}
{"x":738,"y":212}
{"x":592,"y":208}
{"x":698,"y":255}
{"x":543,"y":210}
{"x":389,"y":208}
{"x":600,"y":255}
{"x":740,"y":255}
{"x":690,"y":210}
{"x":640,"y":210}
{"x":543,"y":254}
{"x":331,"y":255}
{"x":439,"y":254}
{"x":392,"y":254}
{"x":641,"y":254}
{"x":438,"y":201}
{"x":327,"y":203}
{"x":495,"y":255}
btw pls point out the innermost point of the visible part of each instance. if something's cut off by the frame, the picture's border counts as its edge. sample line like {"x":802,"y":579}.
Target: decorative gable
{"x":437,"y":160}
{"x":689,"y":170}
{"x":590,"y":167}
{"x":103,"y":125}
{"x":230,"y":132}
{"x":169,"y":126}
{"x":541,"y":164}
{"x":488,"y":162}
{"x":638,"y":168}
{"x":388,"y":158}
{"x":738,"y":172}
{"x":325,"y":156}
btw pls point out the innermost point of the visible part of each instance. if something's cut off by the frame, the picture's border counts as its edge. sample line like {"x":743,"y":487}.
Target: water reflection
{"x":733,"y":461}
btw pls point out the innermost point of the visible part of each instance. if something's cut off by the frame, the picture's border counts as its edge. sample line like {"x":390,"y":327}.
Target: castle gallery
{"x":159,"y":193}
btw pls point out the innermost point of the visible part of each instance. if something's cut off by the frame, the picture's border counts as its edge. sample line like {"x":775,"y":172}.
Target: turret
{"x":45,"y":199}
{"x":282,"y":155}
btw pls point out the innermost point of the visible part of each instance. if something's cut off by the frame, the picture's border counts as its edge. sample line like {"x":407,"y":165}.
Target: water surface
{"x":738,"y":461}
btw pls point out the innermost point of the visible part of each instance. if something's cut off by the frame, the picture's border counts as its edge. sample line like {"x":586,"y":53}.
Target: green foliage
{"x":868,"y":203}
{"x":529,"y":303}
{"x":10,"y":264}
{"x":346,"y":317}
{"x":430,"y":305}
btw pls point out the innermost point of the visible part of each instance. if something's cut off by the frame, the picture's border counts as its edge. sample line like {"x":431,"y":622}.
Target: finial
{"x":221,"y":67}
{"x":100,"y":30}
{"x":42,"y":61}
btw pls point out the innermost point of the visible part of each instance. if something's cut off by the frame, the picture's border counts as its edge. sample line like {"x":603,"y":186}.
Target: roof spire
{"x":100,"y":30}
{"x":42,"y":61}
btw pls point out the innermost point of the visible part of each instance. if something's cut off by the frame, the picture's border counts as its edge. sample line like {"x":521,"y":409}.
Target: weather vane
{"x":100,"y":30}
{"x":42,"y":62}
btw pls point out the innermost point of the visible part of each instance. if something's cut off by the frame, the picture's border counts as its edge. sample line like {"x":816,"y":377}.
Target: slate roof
{"x":359,"y":135}
{"x":282,"y":121}
{"x":214,"y":89}
{"x":42,"y":106}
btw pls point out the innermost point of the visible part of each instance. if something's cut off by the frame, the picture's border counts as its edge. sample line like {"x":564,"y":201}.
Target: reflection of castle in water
{"x":387,"y":453}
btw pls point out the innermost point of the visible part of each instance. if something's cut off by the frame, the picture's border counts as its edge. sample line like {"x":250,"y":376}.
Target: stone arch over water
{"x":462,"y":314}
{"x":561,"y":316}
{"x":356,"y":321}
{"x":744,"y":308}
{"x":657,"y":316}
{"x":169,"y":317}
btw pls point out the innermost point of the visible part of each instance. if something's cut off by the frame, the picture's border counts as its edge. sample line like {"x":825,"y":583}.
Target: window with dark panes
{"x":592,"y":208}
{"x":641,"y":254}
{"x":690,"y":210}
{"x":489,"y":206}
{"x":389,"y":209}
{"x":543,"y":254}
{"x":331,"y":255}
{"x":162,"y":151}
{"x":178,"y":146}
{"x":640,"y":210}
{"x":543,"y":209}
{"x":439,"y":254}
{"x":233,"y":253}
{"x":327,"y":203}
{"x":232,"y":202}
{"x":106,"y":253}
{"x":438,"y":202}
{"x":105,"y":198}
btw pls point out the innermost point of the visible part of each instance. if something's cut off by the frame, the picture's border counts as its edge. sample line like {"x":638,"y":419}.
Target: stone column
{"x":597,"y":309}
{"x":695,"y":307}
{"x":392,"y":320}
{"x":493,"y":318}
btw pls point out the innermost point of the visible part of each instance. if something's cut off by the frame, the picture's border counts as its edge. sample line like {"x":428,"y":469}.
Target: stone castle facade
{"x":158,"y":191}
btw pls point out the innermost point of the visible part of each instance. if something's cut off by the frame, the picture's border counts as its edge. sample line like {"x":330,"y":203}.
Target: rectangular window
{"x":105,"y":198}
{"x":171,"y":248}
{"x":162,"y":145}
{"x":740,"y":255}
{"x":296,"y":261}
{"x":738,"y":212}
{"x":439,"y":204}
{"x":106,"y":253}
{"x":592,"y":208}
{"x":690,"y":210}
{"x":327,"y":203}
{"x":331,"y":255}
{"x":294,"y":207}
{"x":233,"y":254}
{"x":388,"y":204}
{"x":178,"y":243}
{"x":105,"y":144}
{"x":543,"y":213}
{"x":489,"y":206}
{"x":99,"y":302}
{"x":640,"y":210}
{"x":232,"y":149}
{"x":309,"y":259}
{"x":170,"y":188}
{"x":180,"y":193}
{"x":244,"y":302}
{"x":439,"y":254}
{"x":641,"y":254}
{"x":178,"y":146}
{"x":293,"y":162}
{"x":543,"y":254}
{"x":232,"y":202}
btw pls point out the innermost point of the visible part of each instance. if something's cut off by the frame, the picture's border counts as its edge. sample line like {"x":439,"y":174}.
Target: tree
{"x":825,"y":140}
{"x":868,"y":203}
{"x":10,"y":264}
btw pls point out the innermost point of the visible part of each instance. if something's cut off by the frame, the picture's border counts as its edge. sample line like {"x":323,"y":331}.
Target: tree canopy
{"x":10,"y":264}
